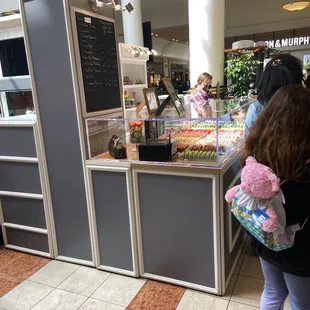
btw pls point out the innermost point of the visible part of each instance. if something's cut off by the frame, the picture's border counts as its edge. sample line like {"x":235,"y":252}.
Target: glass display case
{"x":177,"y":140}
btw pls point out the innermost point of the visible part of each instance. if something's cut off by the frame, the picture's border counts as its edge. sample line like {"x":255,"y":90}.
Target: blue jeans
{"x":279,"y":285}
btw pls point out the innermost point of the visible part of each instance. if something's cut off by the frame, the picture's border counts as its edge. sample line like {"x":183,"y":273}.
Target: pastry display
{"x":202,"y":155}
{"x":199,"y":141}
{"x":204,"y":125}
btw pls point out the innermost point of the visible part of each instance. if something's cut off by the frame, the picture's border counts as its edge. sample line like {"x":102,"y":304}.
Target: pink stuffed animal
{"x":258,"y":182}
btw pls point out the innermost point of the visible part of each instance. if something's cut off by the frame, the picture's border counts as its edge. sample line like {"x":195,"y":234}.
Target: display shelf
{"x":134,"y":86}
{"x":133,"y":68}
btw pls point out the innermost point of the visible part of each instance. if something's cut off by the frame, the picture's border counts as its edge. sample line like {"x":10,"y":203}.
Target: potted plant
{"x":241,"y":71}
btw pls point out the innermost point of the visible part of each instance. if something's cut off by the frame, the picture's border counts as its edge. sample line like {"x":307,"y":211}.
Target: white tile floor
{"x":63,"y":286}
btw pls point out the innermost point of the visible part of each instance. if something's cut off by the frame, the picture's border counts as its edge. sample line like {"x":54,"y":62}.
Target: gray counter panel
{"x":177,"y":227}
{"x":111,"y":203}
{"x":17,"y":141}
{"x":27,"y":239}
{"x":23,"y":211}
{"x":235,"y":224}
{"x":230,"y":257}
{"x":231,"y":173}
{"x":20,"y":177}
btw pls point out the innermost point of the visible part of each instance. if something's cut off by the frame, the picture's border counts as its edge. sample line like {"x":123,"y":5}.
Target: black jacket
{"x":295,"y":260}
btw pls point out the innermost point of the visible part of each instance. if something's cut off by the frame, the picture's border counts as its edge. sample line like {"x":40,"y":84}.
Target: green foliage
{"x":241,"y":71}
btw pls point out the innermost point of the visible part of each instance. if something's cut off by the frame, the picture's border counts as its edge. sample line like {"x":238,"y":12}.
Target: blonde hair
{"x":203,"y":77}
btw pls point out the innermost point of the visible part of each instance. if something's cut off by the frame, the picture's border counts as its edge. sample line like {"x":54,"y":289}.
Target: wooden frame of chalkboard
{"x":97,"y":63}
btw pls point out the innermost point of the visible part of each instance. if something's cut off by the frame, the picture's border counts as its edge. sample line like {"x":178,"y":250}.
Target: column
{"x":47,"y":47}
{"x":206,"y":38}
{"x":132,"y":24}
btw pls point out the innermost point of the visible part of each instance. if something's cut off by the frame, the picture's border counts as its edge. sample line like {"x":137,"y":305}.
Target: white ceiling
{"x":169,"y":18}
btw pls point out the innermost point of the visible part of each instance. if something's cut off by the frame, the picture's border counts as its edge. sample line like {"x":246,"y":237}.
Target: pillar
{"x":132,"y":24}
{"x":206,"y":38}
{"x":47,"y":47}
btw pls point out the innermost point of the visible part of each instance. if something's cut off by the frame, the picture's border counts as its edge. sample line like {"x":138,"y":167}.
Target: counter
{"x":165,"y":222}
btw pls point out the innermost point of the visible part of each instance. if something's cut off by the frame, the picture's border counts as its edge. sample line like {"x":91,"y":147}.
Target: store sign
{"x":288,"y":42}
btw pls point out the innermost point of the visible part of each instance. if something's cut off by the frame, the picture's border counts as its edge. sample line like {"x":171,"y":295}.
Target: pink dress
{"x":199,"y":99}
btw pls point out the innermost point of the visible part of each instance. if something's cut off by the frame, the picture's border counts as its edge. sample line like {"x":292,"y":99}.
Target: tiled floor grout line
{"x":88,"y":297}
{"x":246,"y":276}
{"x":43,"y":297}
{"x":57,"y":287}
{"x":82,"y":304}
{"x":245,"y":304}
{"x":101,"y":285}
{"x":232,"y":291}
{"x":27,"y":280}
{"x":54,"y":288}
{"x":111,"y":303}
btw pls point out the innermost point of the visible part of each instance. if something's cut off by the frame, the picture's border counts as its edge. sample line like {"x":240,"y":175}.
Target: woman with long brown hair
{"x":280,"y":139}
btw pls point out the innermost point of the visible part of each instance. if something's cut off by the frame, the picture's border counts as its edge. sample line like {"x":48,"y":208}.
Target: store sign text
{"x":288,"y":42}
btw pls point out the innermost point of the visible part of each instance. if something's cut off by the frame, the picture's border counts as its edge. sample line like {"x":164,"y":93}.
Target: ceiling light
{"x":117,"y":5}
{"x":152,"y":33}
{"x":295,"y":5}
{"x":154,"y":52}
{"x":147,"y":51}
{"x":96,"y":5}
{"x":156,"y":34}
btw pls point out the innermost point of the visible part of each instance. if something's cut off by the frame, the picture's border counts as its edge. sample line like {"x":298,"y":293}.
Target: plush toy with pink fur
{"x":258,"y":186}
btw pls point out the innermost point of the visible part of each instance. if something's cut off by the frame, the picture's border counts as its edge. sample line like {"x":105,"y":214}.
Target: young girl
{"x":280,"y":139}
{"x":201,"y":95}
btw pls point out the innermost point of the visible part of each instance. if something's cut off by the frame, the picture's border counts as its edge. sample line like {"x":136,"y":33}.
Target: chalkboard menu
{"x":99,"y":63}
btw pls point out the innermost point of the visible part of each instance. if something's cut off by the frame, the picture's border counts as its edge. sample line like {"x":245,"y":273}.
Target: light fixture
{"x":138,"y":51}
{"x":96,"y":5}
{"x":147,"y":51}
{"x":156,"y":35}
{"x":132,"y":50}
{"x":173,"y":39}
{"x":152,"y":33}
{"x":117,"y":5}
{"x":295,"y":5}
{"x":177,"y":40}
{"x":129,"y":8}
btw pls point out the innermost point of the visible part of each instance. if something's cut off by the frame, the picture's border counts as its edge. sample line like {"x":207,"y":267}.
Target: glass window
{"x":13,"y":63}
{"x":16,"y":103}
{"x":13,"y":58}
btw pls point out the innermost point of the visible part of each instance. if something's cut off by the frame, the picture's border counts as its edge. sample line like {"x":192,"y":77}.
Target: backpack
{"x":263,"y":217}
{"x":282,"y":239}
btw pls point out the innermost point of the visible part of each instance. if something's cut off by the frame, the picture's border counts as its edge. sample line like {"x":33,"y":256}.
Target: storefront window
{"x":13,"y":65}
{"x":13,"y":57}
{"x":16,"y":103}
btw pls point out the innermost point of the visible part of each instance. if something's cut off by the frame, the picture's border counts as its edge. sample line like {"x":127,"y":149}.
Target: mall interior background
{"x":169,"y":20}
{"x":65,"y":168}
